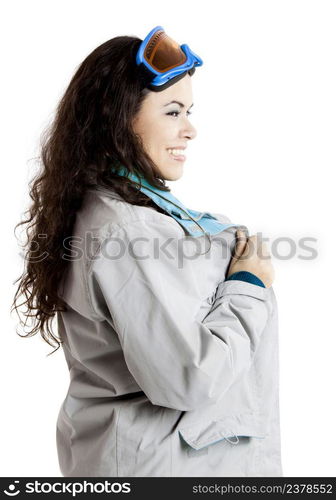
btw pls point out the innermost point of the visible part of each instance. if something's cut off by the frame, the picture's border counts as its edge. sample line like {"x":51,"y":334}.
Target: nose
{"x":188,"y":131}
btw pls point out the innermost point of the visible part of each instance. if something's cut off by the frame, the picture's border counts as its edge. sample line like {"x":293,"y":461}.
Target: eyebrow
{"x":177,"y":102}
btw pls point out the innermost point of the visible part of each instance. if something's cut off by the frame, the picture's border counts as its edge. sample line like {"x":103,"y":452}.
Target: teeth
{"x":176,"y":152}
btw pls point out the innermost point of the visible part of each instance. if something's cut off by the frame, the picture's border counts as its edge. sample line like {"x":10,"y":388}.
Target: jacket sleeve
{"x":246,"y":276}
{"x":153,"y":296}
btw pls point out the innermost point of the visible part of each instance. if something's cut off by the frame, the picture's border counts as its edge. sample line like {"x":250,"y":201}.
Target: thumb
{"x":241,"y":240}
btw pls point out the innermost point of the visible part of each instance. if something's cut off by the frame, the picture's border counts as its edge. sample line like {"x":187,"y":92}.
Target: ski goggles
{"x":162,"y":61}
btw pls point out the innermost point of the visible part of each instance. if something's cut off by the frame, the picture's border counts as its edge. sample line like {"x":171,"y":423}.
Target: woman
{"x":166,"y":315}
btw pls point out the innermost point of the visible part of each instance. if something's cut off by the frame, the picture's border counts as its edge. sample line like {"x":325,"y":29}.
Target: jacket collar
{"x":194,"y":222}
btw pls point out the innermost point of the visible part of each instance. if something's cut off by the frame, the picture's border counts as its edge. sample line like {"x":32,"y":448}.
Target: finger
{"x":240,"y":244}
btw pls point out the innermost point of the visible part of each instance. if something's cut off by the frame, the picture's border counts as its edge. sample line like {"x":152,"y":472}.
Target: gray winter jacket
{"x":173,"y":370}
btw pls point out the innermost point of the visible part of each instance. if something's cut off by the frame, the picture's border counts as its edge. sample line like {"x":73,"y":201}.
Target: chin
{"x":170,"y":174}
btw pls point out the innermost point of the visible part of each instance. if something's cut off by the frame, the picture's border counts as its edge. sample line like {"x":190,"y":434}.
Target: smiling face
{"x":164,"y":127}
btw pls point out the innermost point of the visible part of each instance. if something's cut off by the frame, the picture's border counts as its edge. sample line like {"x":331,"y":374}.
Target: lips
{"x":176,"y":157}
{"x":178,"y":147}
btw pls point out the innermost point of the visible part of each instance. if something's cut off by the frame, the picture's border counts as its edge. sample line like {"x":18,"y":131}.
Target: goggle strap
{"x":146,"y":76}
{"x":176,"y":78}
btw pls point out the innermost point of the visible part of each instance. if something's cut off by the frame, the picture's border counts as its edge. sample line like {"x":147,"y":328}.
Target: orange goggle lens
{"x":163,"y":53}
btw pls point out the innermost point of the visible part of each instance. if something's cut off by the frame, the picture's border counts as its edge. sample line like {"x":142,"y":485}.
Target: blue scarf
{"x":191,"y":220}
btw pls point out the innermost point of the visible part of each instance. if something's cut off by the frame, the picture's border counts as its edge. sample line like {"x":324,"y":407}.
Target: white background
{"x":265,"y":108}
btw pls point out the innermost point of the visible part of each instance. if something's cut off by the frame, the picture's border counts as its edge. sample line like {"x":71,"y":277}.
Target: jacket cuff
{"x":238,"y":287}
{"x":246,"y":276}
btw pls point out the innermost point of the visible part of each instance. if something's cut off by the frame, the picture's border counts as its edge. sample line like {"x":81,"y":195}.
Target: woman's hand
{"x":252,"y":255}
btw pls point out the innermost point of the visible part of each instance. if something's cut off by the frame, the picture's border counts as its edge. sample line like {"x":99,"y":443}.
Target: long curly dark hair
{"x":92,"y":130}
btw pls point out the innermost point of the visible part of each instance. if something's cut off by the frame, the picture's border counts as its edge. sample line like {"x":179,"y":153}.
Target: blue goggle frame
{"x":159,"y":80}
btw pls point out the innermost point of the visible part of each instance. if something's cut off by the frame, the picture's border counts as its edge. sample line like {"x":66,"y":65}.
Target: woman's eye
{"x":177,"y":113}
